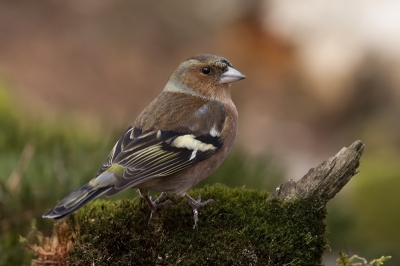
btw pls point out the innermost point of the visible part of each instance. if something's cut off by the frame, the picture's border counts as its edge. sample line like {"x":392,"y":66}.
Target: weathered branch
{"x":325,"y":180}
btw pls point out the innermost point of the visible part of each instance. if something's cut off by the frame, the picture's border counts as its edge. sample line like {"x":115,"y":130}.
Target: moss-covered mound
{"x":241,"y":227}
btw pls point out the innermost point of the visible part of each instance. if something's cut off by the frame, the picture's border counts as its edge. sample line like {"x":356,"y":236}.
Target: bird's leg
{"x":154,"y":205}
{"x":195,"y":204}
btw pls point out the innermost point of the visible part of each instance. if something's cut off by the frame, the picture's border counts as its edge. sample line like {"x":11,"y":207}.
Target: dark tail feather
{"x":74,"y":201}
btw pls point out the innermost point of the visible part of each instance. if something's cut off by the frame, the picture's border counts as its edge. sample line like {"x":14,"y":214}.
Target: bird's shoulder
{"x":182,"y":113}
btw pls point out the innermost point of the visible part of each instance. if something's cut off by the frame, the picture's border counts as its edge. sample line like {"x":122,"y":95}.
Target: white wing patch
{"x":214,"y":132}
{"x":158,"y":136}
{"x":191,"y":143}
{"x":193,"y":155}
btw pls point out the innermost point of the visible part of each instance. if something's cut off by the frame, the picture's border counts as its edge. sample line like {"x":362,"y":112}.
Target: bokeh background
{"x":320,"y":75}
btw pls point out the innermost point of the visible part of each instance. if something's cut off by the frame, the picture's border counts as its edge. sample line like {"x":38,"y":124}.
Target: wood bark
{"x":325,"y":180}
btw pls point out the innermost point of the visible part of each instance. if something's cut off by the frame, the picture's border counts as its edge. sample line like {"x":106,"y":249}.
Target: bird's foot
{"x":195,"y":204}
{"x":157,"y":205}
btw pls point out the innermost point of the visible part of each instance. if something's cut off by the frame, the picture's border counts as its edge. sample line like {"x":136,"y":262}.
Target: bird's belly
{"x":182,"y":181}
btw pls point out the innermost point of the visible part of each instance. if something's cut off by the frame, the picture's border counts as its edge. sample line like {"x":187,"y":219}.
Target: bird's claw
{"x":155,"y":205}
{"x":195,"y":204}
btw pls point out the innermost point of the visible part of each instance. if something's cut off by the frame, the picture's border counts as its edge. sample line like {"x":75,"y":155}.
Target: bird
{"x":179,"y":139}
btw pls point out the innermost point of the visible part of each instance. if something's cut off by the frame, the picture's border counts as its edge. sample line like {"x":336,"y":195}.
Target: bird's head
{"x":207,"y":75}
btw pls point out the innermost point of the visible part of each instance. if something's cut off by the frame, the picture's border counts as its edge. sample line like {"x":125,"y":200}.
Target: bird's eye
{"x":206,"y":70}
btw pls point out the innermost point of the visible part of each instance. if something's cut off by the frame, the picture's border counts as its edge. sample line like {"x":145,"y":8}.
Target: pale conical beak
{"x":231,"y":75}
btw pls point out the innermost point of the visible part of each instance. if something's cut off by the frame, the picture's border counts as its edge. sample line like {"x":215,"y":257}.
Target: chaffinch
{"x":177,"y":141}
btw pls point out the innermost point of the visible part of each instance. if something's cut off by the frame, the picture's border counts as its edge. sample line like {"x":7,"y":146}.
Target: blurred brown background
{"x":320,"y":75}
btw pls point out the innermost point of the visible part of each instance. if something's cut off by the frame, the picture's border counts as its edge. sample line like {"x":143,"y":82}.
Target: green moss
{"x":241,"y":227}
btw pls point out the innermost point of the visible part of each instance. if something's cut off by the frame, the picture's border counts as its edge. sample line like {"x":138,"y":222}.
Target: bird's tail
{"x":75,"y":200}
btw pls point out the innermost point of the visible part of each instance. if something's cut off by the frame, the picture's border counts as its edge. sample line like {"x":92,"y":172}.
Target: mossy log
{"x":240,"y":227}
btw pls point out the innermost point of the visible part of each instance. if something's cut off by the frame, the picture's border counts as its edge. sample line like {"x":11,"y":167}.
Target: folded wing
{"x":156,"y":153}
